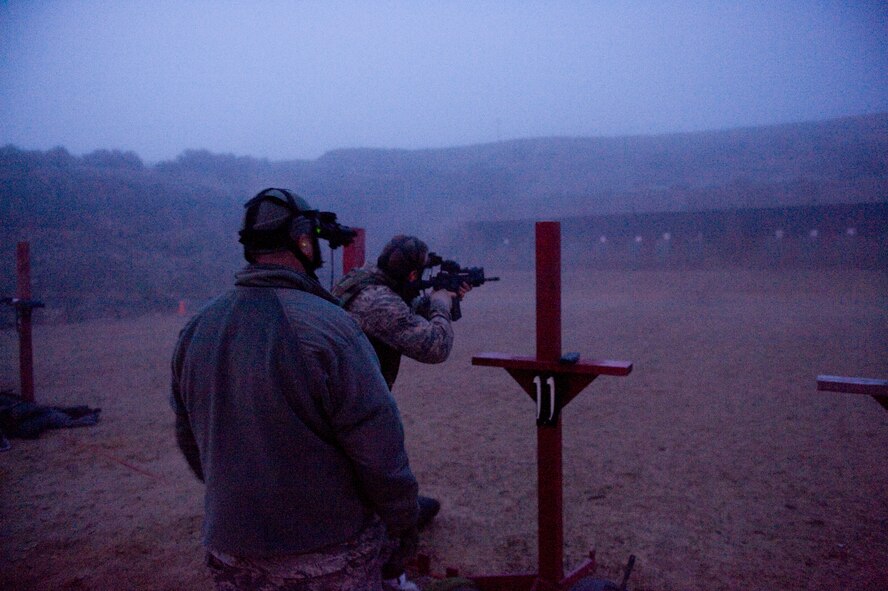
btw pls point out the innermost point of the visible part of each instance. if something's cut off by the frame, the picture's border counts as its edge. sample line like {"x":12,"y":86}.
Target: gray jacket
{"x":283,"y":413}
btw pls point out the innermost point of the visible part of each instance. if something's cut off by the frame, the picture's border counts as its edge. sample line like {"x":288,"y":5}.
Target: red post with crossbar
{"x":23,"y":294}
{"x":552,"y":380}
{"x":548,"y":347}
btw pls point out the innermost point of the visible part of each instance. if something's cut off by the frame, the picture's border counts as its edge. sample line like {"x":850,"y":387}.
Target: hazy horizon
{"x":287,"y":81}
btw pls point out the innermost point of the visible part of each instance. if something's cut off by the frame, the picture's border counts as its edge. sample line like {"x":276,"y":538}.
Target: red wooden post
{"x":550,"y":516}
{"x":353,"y":254}
{"x":552,"y":380}
{"x":23,"y":294}
{"x":548,"y":291}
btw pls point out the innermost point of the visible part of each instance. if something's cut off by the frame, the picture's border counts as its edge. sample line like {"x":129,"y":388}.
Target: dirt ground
{"x":716,"y":461}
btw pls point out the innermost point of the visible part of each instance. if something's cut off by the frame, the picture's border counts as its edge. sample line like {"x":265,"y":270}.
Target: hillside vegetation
{"x":112,"y":235}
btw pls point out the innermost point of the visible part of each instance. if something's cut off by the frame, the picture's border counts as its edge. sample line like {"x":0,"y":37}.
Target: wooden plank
{"x":869,"y":386}
{"x":605,"y":367}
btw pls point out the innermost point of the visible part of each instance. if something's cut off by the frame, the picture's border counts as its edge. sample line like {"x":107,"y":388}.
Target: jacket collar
{"x":279,"y":276}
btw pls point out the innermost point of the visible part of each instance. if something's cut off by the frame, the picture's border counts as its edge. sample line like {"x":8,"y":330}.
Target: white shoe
{"x":399,"y":584}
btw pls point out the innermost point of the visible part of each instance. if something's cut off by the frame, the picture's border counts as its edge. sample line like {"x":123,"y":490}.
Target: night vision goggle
{"x":327,"y":228}
{"x":300,"y":219}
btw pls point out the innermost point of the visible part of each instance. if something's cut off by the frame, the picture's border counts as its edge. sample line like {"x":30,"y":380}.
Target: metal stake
{"x":23,"y":320}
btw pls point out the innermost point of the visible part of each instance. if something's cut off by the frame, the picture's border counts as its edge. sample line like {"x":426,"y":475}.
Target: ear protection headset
{"x":275,"y":219}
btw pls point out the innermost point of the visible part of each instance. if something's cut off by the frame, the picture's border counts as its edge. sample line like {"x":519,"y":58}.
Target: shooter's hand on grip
{"x":453,"y":298}
{"x":449,"y":299}
{"x":454,"y":280}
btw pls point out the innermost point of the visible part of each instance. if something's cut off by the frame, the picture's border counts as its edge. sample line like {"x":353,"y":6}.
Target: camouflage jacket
{"x":421,"y":331}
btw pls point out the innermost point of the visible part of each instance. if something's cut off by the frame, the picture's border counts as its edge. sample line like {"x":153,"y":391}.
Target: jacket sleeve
{"x":184,"y":435}
{"x":384,"y":316}
{"x":188,"y":446}
{"x":368,"y":426}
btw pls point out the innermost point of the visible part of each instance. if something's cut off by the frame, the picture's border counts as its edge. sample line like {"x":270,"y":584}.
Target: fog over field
{"x":720,"y":175}
{"x":294,"y":80}
{"x":148,"y":125}
{"x":111,"y":235}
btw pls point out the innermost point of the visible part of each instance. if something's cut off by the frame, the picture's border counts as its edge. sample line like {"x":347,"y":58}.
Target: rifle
{"x":450,"y":277}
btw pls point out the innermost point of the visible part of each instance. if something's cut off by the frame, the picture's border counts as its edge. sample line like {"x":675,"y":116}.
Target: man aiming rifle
{"x":386,"y":300}
{"x":452,"y":277}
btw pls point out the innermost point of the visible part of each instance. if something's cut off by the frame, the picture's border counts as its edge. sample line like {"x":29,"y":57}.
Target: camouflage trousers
{"x":353,"y":565}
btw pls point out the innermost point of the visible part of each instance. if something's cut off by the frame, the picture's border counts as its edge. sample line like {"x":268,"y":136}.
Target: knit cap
{"x":402,"y":255}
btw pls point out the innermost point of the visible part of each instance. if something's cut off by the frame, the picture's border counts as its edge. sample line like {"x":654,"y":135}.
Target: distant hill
{"x":110,"y":234}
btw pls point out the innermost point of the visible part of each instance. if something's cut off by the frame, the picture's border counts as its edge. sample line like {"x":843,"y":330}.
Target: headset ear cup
{"x":300,"y":225}
{"x":303,"y":237}
{"x":306,"y":246}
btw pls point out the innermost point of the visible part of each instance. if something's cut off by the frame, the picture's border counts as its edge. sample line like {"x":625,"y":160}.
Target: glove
{"x":442,"y":298}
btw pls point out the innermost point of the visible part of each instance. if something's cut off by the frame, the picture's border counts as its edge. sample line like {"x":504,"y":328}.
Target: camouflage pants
{"x":353,"y":565}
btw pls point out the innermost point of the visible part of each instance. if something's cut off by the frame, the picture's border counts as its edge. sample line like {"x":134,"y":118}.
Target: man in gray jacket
{"x":281,"y":410}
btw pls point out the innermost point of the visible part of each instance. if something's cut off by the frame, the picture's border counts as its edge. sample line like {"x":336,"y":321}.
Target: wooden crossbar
{"x":868,"y":386}
{"x":599,"y":367}
{"x":878,"y":389}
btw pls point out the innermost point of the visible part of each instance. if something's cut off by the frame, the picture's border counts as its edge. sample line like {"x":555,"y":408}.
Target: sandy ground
{"x":716,"y":462}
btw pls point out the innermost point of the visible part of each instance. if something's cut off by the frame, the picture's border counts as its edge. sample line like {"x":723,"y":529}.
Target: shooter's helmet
{"x":274,"y":220}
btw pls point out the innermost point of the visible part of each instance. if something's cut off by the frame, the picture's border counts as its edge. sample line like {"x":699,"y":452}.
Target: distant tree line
{"x":111,"y":235}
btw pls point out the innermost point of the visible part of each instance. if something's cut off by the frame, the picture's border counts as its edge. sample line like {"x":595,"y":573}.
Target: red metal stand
{"x":23,"y":293}
{"x":552,"y":381}
{"x":353,"y":254}
{"x":24,"y":305}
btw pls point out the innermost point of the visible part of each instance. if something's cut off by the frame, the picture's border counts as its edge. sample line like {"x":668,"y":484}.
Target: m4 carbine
{"x":451,"y":277}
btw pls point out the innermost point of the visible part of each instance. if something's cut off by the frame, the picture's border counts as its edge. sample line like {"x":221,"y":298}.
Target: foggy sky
{"x":292,"y":80}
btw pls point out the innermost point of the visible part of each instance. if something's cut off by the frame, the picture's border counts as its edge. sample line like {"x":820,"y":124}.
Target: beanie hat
{"x":402,"y":255}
